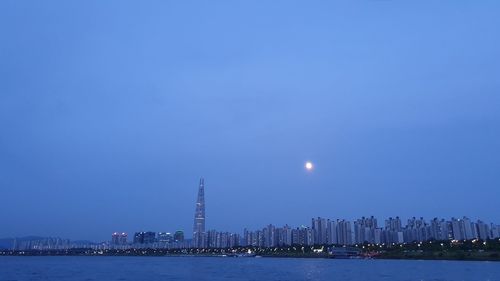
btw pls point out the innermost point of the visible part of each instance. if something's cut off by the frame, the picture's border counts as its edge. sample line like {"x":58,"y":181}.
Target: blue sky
{"x":110,"y":112}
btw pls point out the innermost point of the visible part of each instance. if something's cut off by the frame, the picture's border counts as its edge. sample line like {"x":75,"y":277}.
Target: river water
{"x":258,"y":269}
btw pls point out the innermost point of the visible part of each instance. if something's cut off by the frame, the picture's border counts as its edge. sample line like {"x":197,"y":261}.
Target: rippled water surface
{"x":201,"y":268}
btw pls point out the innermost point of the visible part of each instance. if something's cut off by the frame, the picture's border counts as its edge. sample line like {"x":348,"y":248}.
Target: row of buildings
{"x":322,"y":231}
{"x":50,"y":243}
{"x":149,"y":239}
{"x":367,"y":230}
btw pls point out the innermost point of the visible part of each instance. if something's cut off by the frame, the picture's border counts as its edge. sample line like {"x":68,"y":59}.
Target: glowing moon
{"x":309,"y":166}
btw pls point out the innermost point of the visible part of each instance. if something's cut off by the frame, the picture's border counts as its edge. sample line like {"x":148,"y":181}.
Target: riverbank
{"x":459,"y":255}
{"x":433,"y":250}
{"x":443,"y":255}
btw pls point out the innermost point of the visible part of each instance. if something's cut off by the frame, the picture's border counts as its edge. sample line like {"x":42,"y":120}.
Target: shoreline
{"x":433,"y":250}
{"x":427,"y":256}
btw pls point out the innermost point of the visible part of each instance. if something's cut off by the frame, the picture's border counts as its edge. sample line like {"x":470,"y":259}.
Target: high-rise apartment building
{"x":179,"y":236}
{"x":165,"y":237}
{"x":319,"y":227}
{"x":119,"y":238}
{"x":144,"y":237}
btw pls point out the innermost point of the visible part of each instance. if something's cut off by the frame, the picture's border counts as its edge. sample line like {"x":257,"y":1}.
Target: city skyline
{"x":200,"y":234}
{"x":321,"y":231}
{"x":110,"y":112}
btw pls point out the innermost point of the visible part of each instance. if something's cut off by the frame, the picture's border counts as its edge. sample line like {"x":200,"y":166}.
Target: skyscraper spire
{"x":199,"y":217}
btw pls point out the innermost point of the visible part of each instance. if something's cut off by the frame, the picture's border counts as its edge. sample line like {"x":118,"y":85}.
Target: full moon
{"x":309,"y":166}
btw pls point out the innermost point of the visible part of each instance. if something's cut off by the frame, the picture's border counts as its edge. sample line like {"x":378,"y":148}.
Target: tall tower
{"x":199,"y":217}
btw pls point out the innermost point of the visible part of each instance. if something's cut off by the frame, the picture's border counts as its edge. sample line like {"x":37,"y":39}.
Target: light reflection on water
{"x":200,"y":268}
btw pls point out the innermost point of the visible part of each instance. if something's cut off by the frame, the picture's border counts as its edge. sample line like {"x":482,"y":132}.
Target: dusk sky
{"x":111,"y":111}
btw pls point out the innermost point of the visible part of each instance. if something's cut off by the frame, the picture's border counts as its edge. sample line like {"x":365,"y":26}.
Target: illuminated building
{"x":199,"y":237}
